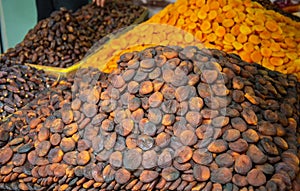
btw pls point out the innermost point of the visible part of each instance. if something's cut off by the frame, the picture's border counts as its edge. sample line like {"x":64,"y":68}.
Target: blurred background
{"x":16,"y":18}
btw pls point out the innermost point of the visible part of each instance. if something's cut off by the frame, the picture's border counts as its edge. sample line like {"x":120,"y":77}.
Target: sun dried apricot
{"x":220,"y":31}
{"x":242,"y":38}
{"x":230,"y":14}
{"x":205,"y":26}
{"x":229,"y":37}
{"x":227,"y":23}
{"x":256,"y":56}
{"x":254,"y":39}
{"x":276,"y":61}
{"x":248,"y":47}
{"x":271,"y":26}
{"x":266,"y":52}
{"x":212,"y":14}
{"x":237,"y":45}
{"x":235,"y":30}
{"x":244,"y":29}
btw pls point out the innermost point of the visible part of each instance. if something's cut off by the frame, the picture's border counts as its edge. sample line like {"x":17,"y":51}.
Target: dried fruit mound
{"x":242,"y":27}
{"x":169,"y":118}
{"x":64,"y":38}
{"x":19,"y":85}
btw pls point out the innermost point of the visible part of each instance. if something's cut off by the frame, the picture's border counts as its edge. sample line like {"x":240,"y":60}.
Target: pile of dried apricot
{"x":242,"y":27}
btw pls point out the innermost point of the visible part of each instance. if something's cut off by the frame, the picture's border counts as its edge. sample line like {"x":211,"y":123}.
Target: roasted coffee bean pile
{"x":63,"y":39}
{"x":19,"y":84}
{"x":167,"y":119}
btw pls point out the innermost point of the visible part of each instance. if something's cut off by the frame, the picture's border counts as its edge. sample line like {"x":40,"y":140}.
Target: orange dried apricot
{"x":248,"y":47}
{"x":292,"y":55}
{"x":275,"y":61}
{"x":242,"y":38}
{"x":198,"y":35}
{"x":237,"y":45}
{"x":211,"y":37}
{"x":266,"y":52}
{"x":230,"y":14}
{"x":256,"y":56}
{"x":235,"y":30}
{"x":229,"y":37}
{"x":244,"y":29}
{"x":212,"y":14}
{"x":227,"y":23}
{"x":220,"y":31}
{"x":271,"y":26}
{"x":265,"y":35}
{"x":205,"y":26}
{"x":254,"y":39}
{"x":245,"y":56}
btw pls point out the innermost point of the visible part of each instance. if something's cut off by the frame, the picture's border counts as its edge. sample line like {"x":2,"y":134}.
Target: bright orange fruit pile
{"x":239,"y":26}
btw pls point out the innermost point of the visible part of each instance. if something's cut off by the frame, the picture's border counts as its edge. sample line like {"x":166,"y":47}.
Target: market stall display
{"x":167,"y":118}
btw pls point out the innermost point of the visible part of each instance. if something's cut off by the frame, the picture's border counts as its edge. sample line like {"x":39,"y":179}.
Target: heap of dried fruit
{"x":168,"y":119}
{"x":19,"y":85}
{"x":63,"y":39}
{"x":242,"y":27}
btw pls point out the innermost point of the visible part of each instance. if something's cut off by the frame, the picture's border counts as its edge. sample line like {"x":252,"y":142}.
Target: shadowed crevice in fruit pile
{"x":169,"y":118}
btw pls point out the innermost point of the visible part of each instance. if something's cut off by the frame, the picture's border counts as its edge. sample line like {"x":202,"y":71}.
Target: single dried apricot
{"x":242,"y":38}
{"x":211,"y":37}
{"x":254,"y":39}
{"x":188,"y":38}
{"x":276,"y":61}
{"x":229,"y":37}
{"x":212,"y":14}
{"x":227,"y":23}
{"x":259,"y":28}
{"x":205,"y":26}
{"x":292,"y":55}
{"x":214,"y":5}
{"x":266,"y":52}
{"x":271,"y":25}
{"x":237,"y":45}
{"x":201,"y":14}
{"x":194,"y":18}
{"x":265,"y":35}
{"x":235,"y":30}
{"x":245,"y":56}
{"x":192,"y":25}
{"x":244,"y":29}
{"x":198,"y":35}
{"x":290,"y":43}
{"x":248,"y":47}
{"x":230,"y":14}
{"x":220,"y":31}
{"x":256,"y":56}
